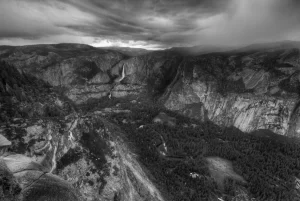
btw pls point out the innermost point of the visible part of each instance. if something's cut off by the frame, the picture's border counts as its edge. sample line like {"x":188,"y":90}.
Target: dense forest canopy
{"x":269,"y":163}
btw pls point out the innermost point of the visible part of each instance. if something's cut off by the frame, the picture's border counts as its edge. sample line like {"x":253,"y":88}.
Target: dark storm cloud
{"x":126,"y":18}
{"x":35,"y":19}
{"x":259,"y":21}
{"x":149,"y":23}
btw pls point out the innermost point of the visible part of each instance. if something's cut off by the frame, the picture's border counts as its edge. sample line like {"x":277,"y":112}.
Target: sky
{"x":149,"y":24}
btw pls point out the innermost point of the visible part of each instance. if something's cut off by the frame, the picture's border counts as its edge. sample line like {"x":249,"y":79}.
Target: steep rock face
{"x":70,"y":71}
{"x":65,"y":65}
{"x":90,"y":73}
{"x":249,"y":90}
{"x":246,"y":112}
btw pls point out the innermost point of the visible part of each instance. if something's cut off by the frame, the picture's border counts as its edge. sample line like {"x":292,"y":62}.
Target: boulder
{"x":163,"y":118}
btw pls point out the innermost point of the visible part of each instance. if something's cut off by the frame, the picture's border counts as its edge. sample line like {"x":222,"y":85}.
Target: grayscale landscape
{"x":153,"y":100}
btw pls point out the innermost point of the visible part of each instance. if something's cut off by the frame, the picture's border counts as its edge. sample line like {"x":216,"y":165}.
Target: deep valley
{"x":106,"y":124}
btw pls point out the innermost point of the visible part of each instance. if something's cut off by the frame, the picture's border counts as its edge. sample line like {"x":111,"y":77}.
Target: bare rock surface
{"x":87,"y":73}
{"x":163,"y":118}
{"x":249,"y":88}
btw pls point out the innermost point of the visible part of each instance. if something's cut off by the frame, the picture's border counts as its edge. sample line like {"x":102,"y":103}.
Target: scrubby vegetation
{"x":25,"y":96}
{"x":9,"y":189}
{"x":268,"y":163}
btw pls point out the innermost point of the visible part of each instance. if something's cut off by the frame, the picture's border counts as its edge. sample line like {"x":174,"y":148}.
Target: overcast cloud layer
{"x":148,"y":23}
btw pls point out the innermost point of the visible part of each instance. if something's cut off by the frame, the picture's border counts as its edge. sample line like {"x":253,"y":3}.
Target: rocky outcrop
{"x":88,"y":152}
{"x":247,"y":90}
{"x":34,"y":180}
{"x":82,"y":94}
{"x":246,"y":112}
{"x":163,"y":118}
{"x":27,"y":179}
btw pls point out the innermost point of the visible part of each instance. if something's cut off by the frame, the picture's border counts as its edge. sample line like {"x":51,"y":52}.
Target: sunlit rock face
{"x":246,"y":112}
{"x":251,"y":90}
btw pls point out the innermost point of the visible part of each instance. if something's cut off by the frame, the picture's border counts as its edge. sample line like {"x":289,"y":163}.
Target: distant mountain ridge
{"x":128,"y":51}
{"x":199,"y":49}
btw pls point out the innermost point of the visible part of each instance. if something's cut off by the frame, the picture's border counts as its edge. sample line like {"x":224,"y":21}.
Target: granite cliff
{"x":250,"y":88}
{"x":85,"y":72}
